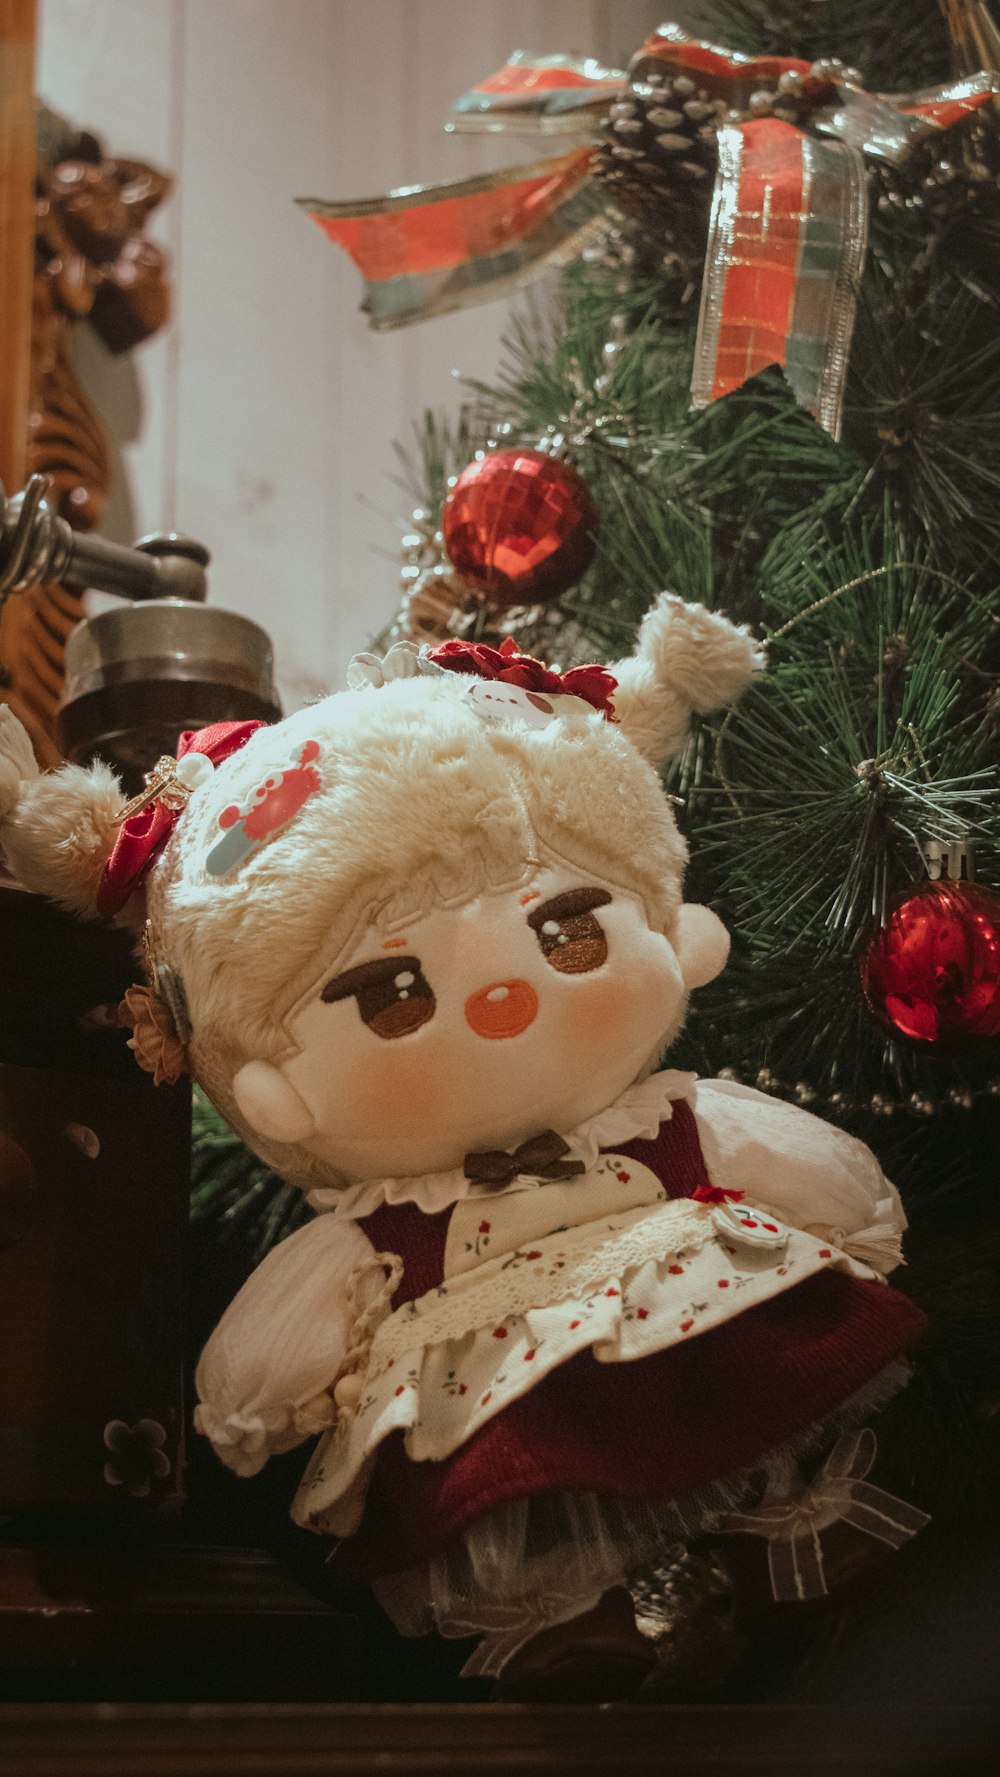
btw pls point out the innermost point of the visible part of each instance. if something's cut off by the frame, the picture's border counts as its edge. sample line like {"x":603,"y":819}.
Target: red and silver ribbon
{"x":785,"y":248}
{"x":789,"y":221}
{"x":556,"y":95}
{"x":793,"y":1525}
{"x":432,"y":248}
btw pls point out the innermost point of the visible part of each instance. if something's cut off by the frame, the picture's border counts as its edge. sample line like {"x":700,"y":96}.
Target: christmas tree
{"x":843,"y":502}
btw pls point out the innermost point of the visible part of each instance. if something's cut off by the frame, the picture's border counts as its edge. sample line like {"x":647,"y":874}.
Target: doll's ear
{"x":687,"y":660}
{"x":270,"y":1103}
{"x":702,"y":944}
{"x":57,"y":828}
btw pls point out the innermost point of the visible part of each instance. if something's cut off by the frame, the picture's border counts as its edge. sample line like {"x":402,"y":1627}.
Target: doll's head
{"x":394,"y":928}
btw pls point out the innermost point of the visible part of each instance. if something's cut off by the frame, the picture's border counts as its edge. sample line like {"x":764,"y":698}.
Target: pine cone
{"x":659,"y":155}
{"x":944,"y":203}
{"x":435,"y":607}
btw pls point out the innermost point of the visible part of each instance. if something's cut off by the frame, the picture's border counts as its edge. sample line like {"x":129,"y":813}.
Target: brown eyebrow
{"x":381,"y":968}
{"x":564,"y":906}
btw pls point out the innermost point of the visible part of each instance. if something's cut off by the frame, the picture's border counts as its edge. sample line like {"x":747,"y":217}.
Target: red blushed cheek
{"x":599,"y":1010}
{"x":383,"y":1090}
{"x":629,"y":1011}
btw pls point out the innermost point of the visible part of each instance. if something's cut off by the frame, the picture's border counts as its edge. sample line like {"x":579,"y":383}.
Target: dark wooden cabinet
{"x":108,"y":1586}
{"x":94,"y":1164}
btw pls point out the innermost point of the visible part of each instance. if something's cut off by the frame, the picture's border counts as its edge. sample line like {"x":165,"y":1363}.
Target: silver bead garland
{"x":917,"y":1104}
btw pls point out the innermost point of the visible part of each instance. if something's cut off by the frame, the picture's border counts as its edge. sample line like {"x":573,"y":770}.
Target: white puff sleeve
{"x":279,"y":1344}
{"x":809,"y":1173}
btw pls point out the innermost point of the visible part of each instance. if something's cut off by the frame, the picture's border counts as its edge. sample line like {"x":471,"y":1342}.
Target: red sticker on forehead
{"x":269,"y":806}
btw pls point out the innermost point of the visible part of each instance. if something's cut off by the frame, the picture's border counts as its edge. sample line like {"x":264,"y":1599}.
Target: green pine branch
{"x":896,"y":48}
{"x":235,"y":1198}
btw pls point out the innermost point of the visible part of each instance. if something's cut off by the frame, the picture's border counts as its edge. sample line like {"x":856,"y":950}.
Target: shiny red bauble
{"x":519,"y":526}
{"x":931,"y":971}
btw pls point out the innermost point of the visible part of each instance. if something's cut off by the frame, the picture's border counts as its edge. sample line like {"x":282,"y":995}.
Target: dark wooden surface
{"x":150,"y":1622}
{"x":361,"y":1742}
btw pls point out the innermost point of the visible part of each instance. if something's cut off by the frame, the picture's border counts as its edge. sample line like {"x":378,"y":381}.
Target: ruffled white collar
{"x":638,"y":1113}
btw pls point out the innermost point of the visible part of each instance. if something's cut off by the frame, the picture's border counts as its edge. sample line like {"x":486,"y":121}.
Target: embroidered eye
{"x":570,"y":937}
{"x":393,"y":995}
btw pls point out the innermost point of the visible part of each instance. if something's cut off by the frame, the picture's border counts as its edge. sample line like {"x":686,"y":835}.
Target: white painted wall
{"x":262,"y":421}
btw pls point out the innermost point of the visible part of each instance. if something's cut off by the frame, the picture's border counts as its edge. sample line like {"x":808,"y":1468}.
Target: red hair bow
{"x":142,"y":836}
{"x":593,"y":683}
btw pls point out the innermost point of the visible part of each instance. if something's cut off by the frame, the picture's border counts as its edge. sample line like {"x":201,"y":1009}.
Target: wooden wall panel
{"x":263,"y":420}
{"x":108,"y":65}
{"x":257,"y":393}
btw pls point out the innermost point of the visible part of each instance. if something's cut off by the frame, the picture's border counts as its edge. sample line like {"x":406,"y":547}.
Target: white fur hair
{"x":57,"y":829}
{"x":686,"y":659}
{"x":421,"y":804}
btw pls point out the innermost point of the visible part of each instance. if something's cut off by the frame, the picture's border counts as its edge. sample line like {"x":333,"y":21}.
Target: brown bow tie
{"x":541,"y":1157}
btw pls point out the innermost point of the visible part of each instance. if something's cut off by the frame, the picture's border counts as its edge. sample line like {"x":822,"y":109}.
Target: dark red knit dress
{"x":652,"y":1429}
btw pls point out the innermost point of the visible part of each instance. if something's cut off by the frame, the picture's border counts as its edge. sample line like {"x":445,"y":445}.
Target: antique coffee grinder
{"x":162,"y":661}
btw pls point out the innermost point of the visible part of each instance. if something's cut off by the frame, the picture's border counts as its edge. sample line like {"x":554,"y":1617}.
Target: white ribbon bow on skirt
{"x":839,"y":1490}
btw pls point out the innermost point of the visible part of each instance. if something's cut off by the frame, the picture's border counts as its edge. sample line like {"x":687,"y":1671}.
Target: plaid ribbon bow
{"x":789,"y":216}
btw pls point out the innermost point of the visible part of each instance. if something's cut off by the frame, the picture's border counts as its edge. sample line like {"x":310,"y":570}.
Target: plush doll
{"x":423,"y":944}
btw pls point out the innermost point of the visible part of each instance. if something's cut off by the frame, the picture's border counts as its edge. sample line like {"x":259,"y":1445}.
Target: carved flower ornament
{"x":154,"y":1040}
{"x":136,"y":1455}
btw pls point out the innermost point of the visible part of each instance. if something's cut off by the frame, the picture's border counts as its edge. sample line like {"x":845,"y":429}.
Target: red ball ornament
{"x":518,"y":526}
{"x":931,"y":971}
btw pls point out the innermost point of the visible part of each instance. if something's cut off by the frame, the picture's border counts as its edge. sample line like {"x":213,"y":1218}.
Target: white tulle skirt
{"x":532,"y":1563}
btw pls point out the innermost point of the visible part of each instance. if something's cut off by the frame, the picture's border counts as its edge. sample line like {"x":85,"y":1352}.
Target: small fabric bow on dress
{"x":793,"y":1525}
{"x":543,"y":1157}
{"x":789,"y":222}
